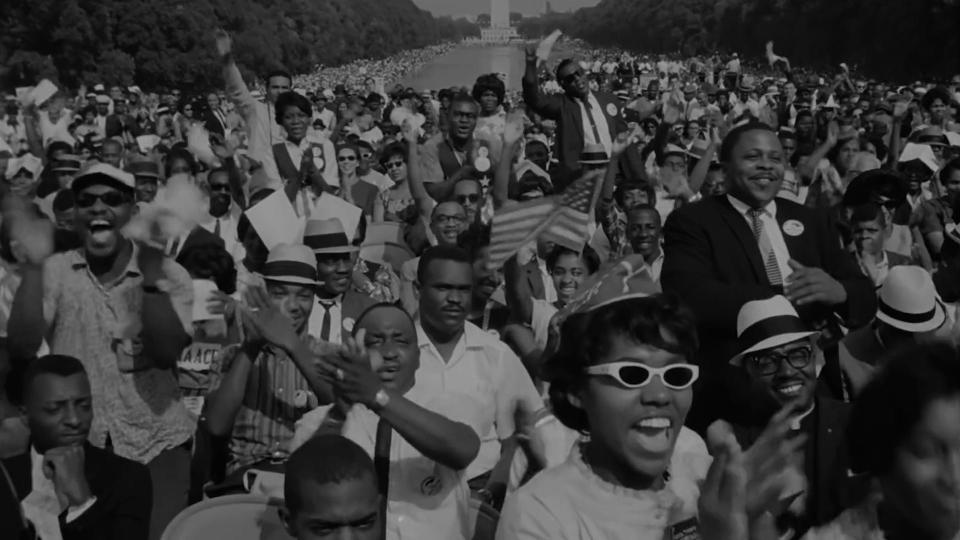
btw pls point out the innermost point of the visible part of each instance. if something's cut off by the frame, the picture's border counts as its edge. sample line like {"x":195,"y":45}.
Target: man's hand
{"x":833,"y":133}
{"x":267,"y":322}
{"x":771,"y":461}
{"x":353,"y":375}
{"x":64,"y":466}
{"x":31,"y":238}
{"x":900,"y":109}
{"x":150,"y":263}
{"x":513,"y":129}
{"x":808,"y":285}
{"x":224,"y":43}
{"x":722,"y":504}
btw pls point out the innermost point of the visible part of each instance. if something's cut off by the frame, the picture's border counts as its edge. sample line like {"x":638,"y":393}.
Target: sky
{"x":527,"y":7}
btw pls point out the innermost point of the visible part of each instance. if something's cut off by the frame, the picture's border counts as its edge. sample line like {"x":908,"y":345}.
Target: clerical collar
{"x":796,"y":420}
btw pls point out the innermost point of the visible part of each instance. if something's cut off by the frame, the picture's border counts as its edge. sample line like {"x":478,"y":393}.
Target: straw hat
{"x":327,"y":236}
{"x":767,"y":324}
{"x":909,"y":301}
{"x":291,"y":263}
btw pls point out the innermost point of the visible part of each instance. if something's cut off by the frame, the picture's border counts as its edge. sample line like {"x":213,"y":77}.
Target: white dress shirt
{"x":484,"y":368}
{"x":601,"y":121}
{"x":42,"y":506}
{"x":771,"y":228}
{"x":426,"y":500}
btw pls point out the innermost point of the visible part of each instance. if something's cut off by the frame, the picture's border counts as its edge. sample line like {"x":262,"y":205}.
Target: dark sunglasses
{"x":769,"y":363}
{"x":569,"y":78}
{"x":473,"y":197}
{"x":219,"y":187}
{"x":636,"y":375}
{"x":394,"y":165}
{"x":110,"y":198}
{"x":347,"y":158}
{"x":366,"y":155}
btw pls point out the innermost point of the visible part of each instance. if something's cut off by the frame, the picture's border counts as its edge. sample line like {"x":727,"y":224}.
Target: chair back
{"x":231,"y":517}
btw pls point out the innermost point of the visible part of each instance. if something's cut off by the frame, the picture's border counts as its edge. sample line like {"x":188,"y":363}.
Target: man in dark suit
{"x":581,"y":115}
{"x":724,"y":251}
{"x":101,"y":496}
{"x":214,"y":120}
{"x":778,"y":352}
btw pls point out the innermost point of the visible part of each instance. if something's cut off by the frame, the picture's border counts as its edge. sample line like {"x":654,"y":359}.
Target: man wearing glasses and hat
{"x":779,"y":353}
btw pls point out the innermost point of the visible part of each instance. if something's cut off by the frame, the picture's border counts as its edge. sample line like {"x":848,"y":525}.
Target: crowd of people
{"x":645,"y":297}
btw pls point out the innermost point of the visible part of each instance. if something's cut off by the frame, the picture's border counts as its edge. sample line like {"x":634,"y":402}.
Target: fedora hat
{"x":594,"y":154}
{"x":291,"y":263}
{"x":908,"y":300}
{"x":327,"y":236}
{"x":766,"y":324}
{"x":144,"y":168}
{"x":67,"y":164}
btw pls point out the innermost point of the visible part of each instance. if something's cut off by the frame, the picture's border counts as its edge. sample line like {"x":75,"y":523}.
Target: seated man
{"x":779,"y":352}
{"x":331,"y":496}
{"x":434,"y":440}
{"x":262,"y":387}
{"x":66,"y":486}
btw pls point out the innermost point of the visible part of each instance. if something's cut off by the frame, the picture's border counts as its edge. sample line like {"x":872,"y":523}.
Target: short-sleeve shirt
{"x":137,"y":405}
{"x":276,"y":396}
{"x":486,"y":370}
{"x":426,"y":500}
{"x":934,"y":216}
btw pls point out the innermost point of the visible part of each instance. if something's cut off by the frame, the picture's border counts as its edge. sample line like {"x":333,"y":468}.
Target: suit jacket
{"x":213,"y":124}
{"x":123,"y":490}
{"x":830,"y":489}
{"x":566,"y":111}
{"x":354,"y":304}
{"x":712,"y":262}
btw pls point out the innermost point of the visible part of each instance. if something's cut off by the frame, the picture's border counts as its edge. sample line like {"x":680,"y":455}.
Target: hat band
{"x":903,"y":316}
{"x":287,"y":269}
{"x":326,"y":241}
{"x":769,"y":327}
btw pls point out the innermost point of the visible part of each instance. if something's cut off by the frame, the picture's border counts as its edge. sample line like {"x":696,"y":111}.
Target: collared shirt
{"x":878,"y":271}
{"x":228,"y":233}
{"x":771,"y":228}
{"x":320,"y":308}
{"x":137,"y":405}
{"x":276,"y":396}
{"x":655,"y":266}
{"x":44,"y":487}
{"x":426,"y":500}
{"x":599,"y":119}
{"x":485,"y":369}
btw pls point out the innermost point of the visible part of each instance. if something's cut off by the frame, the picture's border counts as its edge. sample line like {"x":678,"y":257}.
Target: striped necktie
{"x":766,"y":248}
{"x":593,"y":122}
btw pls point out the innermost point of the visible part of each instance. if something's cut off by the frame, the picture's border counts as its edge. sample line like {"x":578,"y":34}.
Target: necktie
{"x":216,"y":228}
{"x":593,"y":123}
{"x":766,"y":248}
{"x":325,"y":325}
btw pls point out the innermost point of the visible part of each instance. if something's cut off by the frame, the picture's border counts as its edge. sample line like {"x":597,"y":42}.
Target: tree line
{"x":890,"y":39}
{"x":167,"y":43}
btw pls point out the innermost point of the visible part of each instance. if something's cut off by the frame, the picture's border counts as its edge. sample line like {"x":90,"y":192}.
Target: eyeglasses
{"x":472,"y":198}
{"x":394,"y":165}
{"x":769,"y":363}
{"x":110,"y":198}
{"x":346,"y":158}
{"x":636,"y":375}
{"x":219,"y":187}
{"x":441,"y":219}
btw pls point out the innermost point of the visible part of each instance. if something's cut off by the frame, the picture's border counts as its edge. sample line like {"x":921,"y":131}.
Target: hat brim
{"x":339,"y":249}
{"x":297,"y":280}
{"x":83,"y":182}
{"x":935,"y":322}
{"x":771,"y":342}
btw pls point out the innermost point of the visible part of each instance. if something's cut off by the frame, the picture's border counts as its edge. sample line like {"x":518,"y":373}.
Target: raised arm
{"x":519,"y":296}
{"x":512,"y":135}
{"x":542,"y":104}
{"x":418,"y":191}
{"x":27,"y":326}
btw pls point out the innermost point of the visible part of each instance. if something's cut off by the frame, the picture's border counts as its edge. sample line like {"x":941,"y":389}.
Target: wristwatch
{"x":381,"y":399}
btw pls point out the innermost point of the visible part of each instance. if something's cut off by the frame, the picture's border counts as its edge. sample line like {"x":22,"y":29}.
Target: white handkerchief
{"x":275,"y":220}
{"x":543,"y":50}
{"x":329,"y":206}
{"x":203,"y":289}
{"x":42,"y":92}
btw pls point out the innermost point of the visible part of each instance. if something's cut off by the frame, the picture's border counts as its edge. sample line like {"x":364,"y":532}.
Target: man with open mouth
{"x":779,"y":352}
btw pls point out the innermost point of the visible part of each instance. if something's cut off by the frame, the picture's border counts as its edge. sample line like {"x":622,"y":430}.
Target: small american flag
{"x":563,"y":219}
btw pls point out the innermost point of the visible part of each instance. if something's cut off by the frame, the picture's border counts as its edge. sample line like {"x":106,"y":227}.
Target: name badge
{"x":611,"y":109}
{"x":793,"y":228}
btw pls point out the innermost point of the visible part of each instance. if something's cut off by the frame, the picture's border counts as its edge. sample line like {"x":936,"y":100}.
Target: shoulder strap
{"x":381,"y":462}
